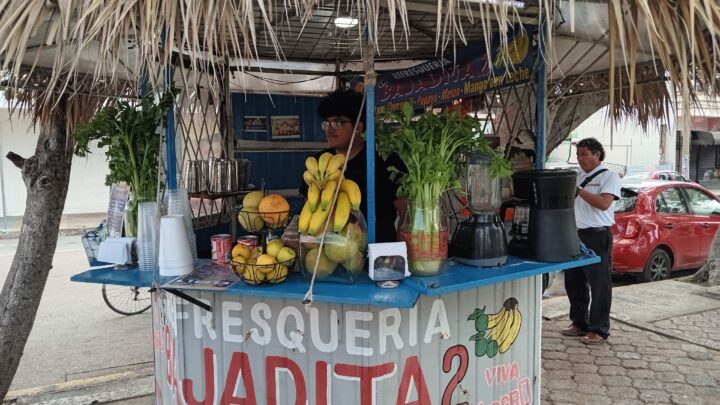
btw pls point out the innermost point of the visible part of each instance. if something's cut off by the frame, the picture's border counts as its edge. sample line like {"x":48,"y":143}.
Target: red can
{"x":251,"y":241}
{"x":221,"y":247}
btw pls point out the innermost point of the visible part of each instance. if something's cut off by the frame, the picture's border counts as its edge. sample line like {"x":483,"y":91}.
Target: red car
{"x":655,"y":175}
{"x":662,"y":226}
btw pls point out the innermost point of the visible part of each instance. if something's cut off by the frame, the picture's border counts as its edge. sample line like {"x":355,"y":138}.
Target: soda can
{"x":250,"y":241}
{"x":221,"y":247}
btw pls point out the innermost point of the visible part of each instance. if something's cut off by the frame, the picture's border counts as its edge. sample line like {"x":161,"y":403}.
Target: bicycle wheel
{"x":126,"y":300}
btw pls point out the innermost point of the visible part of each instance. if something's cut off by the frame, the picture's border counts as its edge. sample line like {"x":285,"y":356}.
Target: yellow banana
{"x":313,"y":196}
{"x":497,"y":328}
{"x":353,"y":192}
{"x":312,"y":165}
{"x":513,"y":331}
{"x":335,"y":164}
{"x":317,"y":222}
{"x":336,"y":176}
{"x":342,"y":211}
{"x":309,"y":178}
{"x":328,"y":193}
{"x":323,"y":163}
{"x":505,"y":328}
{"x":494,"y":319}
{"x":304,"y":220}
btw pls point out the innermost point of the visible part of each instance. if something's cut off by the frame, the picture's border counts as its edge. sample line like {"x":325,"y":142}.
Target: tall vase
{"x":425,"y":231}
{"x":131,"y":217}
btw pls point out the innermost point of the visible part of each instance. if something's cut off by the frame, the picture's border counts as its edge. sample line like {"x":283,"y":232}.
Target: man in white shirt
{"x":589,"y":288}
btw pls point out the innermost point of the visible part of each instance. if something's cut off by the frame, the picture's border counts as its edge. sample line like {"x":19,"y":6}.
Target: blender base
{"x":487,"y":262}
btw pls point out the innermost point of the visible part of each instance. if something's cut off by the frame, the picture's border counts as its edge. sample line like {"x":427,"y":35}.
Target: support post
{"x":370,"y":78}
{"x":540,"y":99}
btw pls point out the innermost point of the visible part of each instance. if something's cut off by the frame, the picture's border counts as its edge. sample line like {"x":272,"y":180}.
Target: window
{"x":670,"y":201}
{"x":627,"y":201}
{"x":677,"y":177}
{"x":702,"y":203}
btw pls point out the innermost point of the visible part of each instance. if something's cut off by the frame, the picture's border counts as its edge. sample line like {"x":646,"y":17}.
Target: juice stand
{"x":468,"y":335}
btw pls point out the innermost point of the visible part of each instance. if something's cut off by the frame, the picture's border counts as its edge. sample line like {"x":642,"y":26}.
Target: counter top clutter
{"x":456,"y":278}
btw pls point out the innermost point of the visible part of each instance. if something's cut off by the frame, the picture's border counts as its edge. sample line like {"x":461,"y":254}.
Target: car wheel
{"x":657,"y":267}
{"x":545,"y":281}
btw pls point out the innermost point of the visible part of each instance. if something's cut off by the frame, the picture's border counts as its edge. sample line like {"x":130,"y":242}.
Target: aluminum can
{"x":221,"y":247}
{"x":250,"y":241}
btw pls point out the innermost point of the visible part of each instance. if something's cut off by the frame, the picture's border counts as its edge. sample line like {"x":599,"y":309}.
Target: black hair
{"x":346,"y":103}
{"x":593,"y":145}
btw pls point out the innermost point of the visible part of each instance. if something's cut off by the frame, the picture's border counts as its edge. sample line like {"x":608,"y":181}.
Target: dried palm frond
{"x":133,"y":39}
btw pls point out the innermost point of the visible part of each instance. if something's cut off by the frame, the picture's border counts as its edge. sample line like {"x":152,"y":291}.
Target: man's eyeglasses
{"x":333,"y":124}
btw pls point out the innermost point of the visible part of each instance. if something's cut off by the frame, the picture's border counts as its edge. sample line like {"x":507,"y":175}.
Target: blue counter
{"x":456,"y":278}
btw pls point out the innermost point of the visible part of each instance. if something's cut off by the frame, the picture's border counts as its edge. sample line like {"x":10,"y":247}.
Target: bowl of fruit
{"x":256,"y":267}
{"x":260,"y":212}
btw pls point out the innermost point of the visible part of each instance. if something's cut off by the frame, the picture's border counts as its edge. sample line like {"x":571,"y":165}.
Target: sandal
{"x":593,"y":339}
{"x":573,"y":330}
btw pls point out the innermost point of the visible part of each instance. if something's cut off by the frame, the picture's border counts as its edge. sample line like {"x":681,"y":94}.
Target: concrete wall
{"x":630,"y":145}
{"x":87,"y":192}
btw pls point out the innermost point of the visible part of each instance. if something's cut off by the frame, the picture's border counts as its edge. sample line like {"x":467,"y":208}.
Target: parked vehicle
{"x":661,"y":226}
{"x":655,"y":175}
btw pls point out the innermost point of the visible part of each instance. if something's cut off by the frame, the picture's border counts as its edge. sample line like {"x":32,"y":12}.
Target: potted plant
{"x":128,"y":131}
{"x":428,"y":144}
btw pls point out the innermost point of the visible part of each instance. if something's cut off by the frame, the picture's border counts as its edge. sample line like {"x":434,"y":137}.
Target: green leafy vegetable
{"x":128,"y":133}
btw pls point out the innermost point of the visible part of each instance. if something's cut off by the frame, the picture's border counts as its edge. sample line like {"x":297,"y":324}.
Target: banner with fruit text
{"x":466,"y":72}
{"x":478,"y":346}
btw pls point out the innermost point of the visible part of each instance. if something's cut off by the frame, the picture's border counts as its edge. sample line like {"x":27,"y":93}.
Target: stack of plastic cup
{"x":175,"y":258}
{"x":147,"y":236}
{"x":179,"y":204}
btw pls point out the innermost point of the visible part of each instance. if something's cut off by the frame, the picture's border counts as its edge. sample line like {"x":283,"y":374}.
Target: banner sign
{"x":478,"y":347}
{"x":440,"y":81}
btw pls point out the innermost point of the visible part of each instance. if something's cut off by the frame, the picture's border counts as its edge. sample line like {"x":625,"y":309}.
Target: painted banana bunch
{"x":498,"y":331}
{"x":323,"y":177}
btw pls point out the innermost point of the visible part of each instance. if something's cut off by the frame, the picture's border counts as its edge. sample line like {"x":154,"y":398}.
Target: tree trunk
{"x":709,"y":273}
{"x":46,"y":176}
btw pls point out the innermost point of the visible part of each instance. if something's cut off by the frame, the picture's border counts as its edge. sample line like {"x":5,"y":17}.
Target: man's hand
{"x":599,"y":201}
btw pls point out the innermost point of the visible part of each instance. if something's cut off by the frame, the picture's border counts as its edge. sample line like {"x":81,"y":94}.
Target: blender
{"x":481,"y":240}
{"x":544,"y":220}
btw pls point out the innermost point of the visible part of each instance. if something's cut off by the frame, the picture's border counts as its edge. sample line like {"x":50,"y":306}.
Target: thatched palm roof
{"x":116,"y":40}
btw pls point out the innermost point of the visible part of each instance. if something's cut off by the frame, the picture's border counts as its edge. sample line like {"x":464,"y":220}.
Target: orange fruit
{"x":273,"y":210}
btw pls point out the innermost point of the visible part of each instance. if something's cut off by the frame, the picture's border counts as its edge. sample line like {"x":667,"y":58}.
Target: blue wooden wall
{"x":281,"y":169}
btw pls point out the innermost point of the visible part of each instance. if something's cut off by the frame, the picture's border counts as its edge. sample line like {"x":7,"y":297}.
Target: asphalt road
{"x":76,"y":336}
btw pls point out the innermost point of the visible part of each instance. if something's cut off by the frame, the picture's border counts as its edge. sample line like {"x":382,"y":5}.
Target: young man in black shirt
{"x":340,"y":110}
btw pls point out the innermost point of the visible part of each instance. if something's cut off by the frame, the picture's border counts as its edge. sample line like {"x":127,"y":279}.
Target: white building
{"x":627,"y":145}
{"x":87,"y":192}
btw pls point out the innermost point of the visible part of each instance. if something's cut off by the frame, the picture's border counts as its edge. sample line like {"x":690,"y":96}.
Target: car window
{"x":663,"y":176}
{"x":702,"y":203}
{"x":670,"y":201}
{"x":637,"y":175}
{"x":675,"y":176}
{"x":627,"y":201}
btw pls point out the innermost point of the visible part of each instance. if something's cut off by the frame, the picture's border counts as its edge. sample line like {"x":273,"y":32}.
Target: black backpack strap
{"x":589,"y":179}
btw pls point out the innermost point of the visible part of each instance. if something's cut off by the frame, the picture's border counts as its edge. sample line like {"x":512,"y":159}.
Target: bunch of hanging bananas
{"x":503,"y":326}
{"x":323,"y":177}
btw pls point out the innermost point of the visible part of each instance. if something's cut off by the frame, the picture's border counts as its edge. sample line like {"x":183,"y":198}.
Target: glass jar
{"x":342,"y":257}
{"x":424,"y":230}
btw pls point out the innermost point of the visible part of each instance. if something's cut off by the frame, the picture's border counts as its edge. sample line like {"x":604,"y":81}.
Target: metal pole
{"x":171,"y":158}
{"x":370,"y":77}
{"x":540,"y":99}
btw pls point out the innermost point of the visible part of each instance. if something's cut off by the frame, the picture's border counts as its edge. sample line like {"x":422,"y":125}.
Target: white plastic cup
{"x":179,"y":204}
{"x":175,"y":258}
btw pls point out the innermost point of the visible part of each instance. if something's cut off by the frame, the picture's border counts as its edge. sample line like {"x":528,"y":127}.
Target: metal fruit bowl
{"x":255,"y":274}
{"x":252,"y":220}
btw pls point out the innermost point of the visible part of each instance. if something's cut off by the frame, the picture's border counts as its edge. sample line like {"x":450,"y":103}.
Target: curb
{"x":15,"y":234}
{"x":134,"y":383}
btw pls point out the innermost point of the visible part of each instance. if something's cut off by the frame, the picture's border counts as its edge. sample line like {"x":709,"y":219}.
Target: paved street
{"x":636,"y":366}
{"x":76,"y":336}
